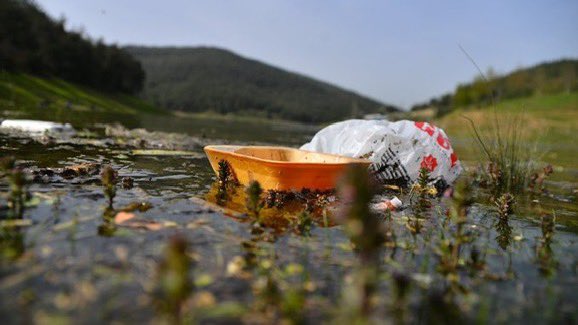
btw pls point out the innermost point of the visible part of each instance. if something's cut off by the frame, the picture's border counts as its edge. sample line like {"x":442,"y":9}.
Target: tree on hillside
{"x":32,"y":42}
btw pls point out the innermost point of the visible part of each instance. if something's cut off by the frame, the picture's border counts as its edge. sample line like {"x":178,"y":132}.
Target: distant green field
{"x":549,"y":116}
{"x":549,"y":122}
{"x":33,"y":96}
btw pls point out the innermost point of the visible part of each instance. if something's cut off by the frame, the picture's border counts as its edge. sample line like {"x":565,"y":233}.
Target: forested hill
{"x":33,"y":43}
{"x":199,"y":79}
{"x":547,"y":78}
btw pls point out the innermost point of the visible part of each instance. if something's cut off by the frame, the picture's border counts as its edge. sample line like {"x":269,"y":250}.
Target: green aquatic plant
{"x":253,"y":202}
{"x":16,"y":181}
{"x":303,"y":223}
{"x":504,"y":207}
{"x":509,"y":161}
{"x":18,"y":192}
{"x":477,"y":261}
{"x":422,"y":203}
{"x":454,"y":235}
{"x":11,"y":244}
{"x":6,"y":165}
{"x":108,"y":227}
{"x":389,"y":236}
{"x":544,"y":255}
{"x":225,"y":180}
{"x":109,"y":178}
{"x":504,"y":236}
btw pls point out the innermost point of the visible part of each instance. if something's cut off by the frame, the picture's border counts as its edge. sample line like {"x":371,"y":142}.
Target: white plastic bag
{"x":398,"y":149}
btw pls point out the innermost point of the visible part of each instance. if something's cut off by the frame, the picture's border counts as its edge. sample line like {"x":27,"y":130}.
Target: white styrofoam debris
{"x":38,"y":127}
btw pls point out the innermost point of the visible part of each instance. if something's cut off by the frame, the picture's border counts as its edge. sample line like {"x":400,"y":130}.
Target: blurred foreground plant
{"x":17,"y":182}
{"x":356,"y":190}
{"x":174,"y":283}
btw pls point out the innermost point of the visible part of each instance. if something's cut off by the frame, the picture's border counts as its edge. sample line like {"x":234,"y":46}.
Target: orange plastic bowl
{"x":280,"y":168}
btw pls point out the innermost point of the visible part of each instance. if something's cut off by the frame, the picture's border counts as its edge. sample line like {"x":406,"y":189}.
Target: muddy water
{"x":71,"y":263}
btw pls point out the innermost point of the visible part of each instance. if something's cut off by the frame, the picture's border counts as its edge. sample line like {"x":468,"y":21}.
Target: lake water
{"x":73,"y":262}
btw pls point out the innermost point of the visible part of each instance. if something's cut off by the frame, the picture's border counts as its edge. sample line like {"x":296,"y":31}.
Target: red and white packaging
{"x":398,"y":149}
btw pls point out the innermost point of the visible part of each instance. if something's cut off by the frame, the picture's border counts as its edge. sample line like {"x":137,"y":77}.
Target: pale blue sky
{"x":400,"y":52}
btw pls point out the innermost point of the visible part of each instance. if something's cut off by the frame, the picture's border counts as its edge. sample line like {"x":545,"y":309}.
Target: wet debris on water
{"x":278,"y":199}
{"x":536,"y":184}
{"x":136,"y":206}
{"x":143,"y":139}
{"x":85,"y":169}
{"x":127,"y":219}
{"x":68,"y":173}
{"x":127,"y":183}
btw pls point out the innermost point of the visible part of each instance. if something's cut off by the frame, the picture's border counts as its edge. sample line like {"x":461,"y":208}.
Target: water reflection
{"x":11,"y":243}
{"x":280,"y":211}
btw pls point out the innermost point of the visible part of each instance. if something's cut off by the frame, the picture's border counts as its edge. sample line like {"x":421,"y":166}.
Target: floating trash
{"x":398,"y":150}
{"x":35,"y":127}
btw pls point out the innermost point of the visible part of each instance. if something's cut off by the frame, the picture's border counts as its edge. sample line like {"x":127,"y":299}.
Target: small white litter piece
{"x":38,"y":127}
{"x":387,"y":204}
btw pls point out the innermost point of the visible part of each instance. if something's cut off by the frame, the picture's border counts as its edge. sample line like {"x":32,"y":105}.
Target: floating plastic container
{"x":38,"y":127}
{"x":280,"y":168}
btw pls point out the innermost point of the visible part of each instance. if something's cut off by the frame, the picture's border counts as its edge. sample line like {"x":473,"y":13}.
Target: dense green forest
{"x":33,"y":43}
{"x":203,"y":79}
{"x":544,"y":79}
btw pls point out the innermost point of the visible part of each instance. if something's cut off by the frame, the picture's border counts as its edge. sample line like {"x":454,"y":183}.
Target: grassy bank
{"x":548,"y":122}
{"x":548,"y":118}
{"x":22,"y":94}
